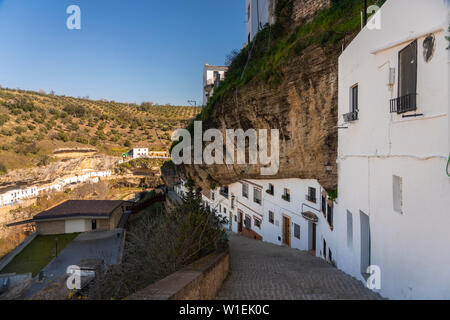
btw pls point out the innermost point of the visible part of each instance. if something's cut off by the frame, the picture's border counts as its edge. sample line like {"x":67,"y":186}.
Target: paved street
{"x":261,"y":271}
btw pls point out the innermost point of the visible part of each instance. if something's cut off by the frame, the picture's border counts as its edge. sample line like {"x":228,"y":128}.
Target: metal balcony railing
{"x":351,"y":116}
{"x":404,"y":104}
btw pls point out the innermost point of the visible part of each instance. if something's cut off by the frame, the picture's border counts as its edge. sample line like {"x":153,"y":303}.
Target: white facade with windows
{"x":15,"y":196}
{"x":137,"y":153}
{"x":394,"y":193}
{"x":212,"y":77}
{"x":258,"y":14}
{"x":261,"y":209}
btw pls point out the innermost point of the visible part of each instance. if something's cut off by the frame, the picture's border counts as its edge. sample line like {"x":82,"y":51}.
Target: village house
{"x":15,"y":196}
{"x":212,"y":76}
{"x":74,"y":216}
{"x":394,"y":193}
{"x":137,"y":153}
{"x":258,"y":14}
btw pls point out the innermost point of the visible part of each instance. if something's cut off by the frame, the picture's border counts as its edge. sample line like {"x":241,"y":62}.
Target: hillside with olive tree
{"x":34,"y":124}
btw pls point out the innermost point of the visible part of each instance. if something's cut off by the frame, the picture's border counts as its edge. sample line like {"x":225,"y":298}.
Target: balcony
{"x":351,"y":116}
{"x":404,"y":104}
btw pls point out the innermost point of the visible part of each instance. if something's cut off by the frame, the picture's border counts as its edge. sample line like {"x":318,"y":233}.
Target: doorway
{"x":365,"y":243}
{"x":231,"y":221}
{"x":94,"y":225}
{"x":286,"y":231}
{"x":312,"y":230}
{"x":240,"y":222}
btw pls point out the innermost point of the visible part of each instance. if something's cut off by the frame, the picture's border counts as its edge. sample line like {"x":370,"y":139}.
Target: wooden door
{"x":314,"y":237}
{"x":286,"y":231}
{"x":240,"y":221}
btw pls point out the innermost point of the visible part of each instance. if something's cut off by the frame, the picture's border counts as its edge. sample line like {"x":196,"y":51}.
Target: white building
{"x":394,"y":193}
{"x":15,"y":196}
{"x":212,"y":76}
{"x":258,"y":14}
{"x":137,"y":153}
{"x":291,"y":212}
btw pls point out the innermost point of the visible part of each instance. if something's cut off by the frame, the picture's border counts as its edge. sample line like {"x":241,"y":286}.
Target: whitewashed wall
{"x":410,"y":248}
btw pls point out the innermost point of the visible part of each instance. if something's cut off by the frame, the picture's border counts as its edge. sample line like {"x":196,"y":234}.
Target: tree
{"x":3,"y":169}
{"x":127,"y":144}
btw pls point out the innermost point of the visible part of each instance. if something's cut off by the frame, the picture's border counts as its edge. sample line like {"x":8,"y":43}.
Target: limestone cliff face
{"x":303,"y":107}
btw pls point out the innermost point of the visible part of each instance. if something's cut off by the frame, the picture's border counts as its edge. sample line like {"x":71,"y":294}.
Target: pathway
{"x":263,"y":271}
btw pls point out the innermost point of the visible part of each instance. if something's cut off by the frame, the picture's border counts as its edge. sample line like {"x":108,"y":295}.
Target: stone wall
{"x":51,"y":227}
{"x":304,"y":9}
{"x":200,"y":281}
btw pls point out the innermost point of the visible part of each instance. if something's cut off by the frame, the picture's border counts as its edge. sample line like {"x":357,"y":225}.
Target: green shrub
{"x":3,"y":169}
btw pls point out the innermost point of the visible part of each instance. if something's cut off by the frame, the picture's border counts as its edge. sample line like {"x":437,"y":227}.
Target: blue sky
{"x":134,"y":50}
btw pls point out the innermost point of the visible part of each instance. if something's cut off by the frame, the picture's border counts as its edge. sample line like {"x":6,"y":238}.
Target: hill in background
{"x":33,"y":125}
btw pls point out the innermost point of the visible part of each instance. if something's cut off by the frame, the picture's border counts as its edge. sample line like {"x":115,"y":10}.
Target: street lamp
{"x":56,"y":245}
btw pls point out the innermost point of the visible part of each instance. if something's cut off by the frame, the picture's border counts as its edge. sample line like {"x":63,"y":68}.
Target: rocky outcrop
{"x":303,"y":107}
{"x":61,"y":169}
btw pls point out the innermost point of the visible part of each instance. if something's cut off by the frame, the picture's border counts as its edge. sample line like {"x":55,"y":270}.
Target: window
{"x":271,"y":189}
{"x":397,"y":186}
{"x":407,"y":63}
{"x":248,"y":13}
{"x":257,"y":195}
{"x":224,"y":192}
{"x":257,"y":222}
{"x":271,"y":217}
{"x":311,"y":195}
{"x":245,"y":190}
{"x":213,"y":196}
{"x":349,"y":229}
{"x":224,"y":210}
{"x":296,"y":231}
{"x":286,"y":195}
{"x":220,"y":208}
{"x":354,"y":100}
{"x":324,"y":205}
{"x":248,"y":222}
{"x":330,"y":215}
{"x":407,"y":80}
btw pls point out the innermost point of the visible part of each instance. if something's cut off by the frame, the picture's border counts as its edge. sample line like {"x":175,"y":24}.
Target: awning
{"x":308,"y":215}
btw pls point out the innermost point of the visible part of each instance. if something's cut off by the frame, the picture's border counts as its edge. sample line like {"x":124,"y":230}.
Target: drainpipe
{"x":257,"y":10}
{"x":365,"y":13}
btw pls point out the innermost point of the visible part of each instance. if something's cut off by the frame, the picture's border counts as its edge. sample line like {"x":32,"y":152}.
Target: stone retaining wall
{"x":10,"y":256}
{"x":304,"y":9}
{"x":199,"y":281}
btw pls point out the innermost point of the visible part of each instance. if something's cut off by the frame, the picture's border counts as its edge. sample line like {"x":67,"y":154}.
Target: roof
{"x":80,"y":208}
{"x":218,"y":68}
